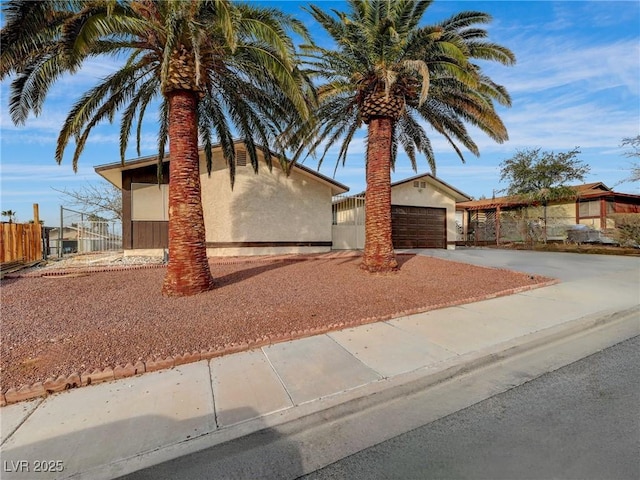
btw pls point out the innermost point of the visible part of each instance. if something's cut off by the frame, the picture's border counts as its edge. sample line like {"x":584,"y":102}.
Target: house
{"x":265,"y":213}
{"x":272,"y":213}
{"x":423,"y":215}
{"x":503,"y":219}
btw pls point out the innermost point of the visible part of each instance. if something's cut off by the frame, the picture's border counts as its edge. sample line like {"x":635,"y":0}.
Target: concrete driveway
{"x":563,"y":266}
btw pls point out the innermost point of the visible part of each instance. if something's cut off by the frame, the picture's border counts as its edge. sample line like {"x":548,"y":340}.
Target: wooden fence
{"x":20,"y":242}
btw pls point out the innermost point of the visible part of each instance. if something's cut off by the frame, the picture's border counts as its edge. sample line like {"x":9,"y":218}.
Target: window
{"x":149,"y":201}
{"x":611,"y":207}
{"x":589,"y":209}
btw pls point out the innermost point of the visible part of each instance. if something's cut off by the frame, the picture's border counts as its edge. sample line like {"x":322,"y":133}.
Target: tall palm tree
{"x":213,"y":65}
{"x":9,"y":213}
{"x":394,"y":75}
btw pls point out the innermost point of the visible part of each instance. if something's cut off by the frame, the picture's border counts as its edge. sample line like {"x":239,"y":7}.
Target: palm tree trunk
{"x":188,"y":270}
{"x":378,"y":246}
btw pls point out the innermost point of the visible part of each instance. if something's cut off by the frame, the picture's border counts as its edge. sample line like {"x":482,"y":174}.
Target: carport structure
{"x":513,"y":219}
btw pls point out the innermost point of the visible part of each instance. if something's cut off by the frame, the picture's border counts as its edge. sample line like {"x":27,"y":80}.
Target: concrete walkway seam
{"x":275,"y":371}
{"x":38,"y":402}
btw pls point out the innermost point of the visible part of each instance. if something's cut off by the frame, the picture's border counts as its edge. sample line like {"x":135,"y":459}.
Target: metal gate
{"x":81,"y":232}
{"x":347,"y":230}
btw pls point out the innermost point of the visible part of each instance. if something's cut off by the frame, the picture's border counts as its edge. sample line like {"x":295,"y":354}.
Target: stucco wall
{"x":594,"y":223}
{"x":264,"y":207}
{"x":145,"y":252}
{"x":349,"y":231}
{"x":565,"y":213}
{"x":430,"y":196}
{"x":258,"y":251}
{"x":348,"y":237}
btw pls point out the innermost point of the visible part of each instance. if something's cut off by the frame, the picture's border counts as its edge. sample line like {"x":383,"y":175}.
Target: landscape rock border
{"x":110,"y":373}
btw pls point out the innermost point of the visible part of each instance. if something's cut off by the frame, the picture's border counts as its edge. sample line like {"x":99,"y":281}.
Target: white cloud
{"x":586,"y":125}
{"x":545,"y":63}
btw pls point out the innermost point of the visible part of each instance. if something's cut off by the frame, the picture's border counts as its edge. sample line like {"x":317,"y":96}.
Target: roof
{"x":112,"y":172}
{"x":591,"y":187}
{"x":457,"y":194}
{"x":454,"y":192}
{"x":586,"y":190}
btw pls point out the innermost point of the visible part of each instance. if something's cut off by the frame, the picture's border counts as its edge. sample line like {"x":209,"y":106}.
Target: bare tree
{"x":633,"y":145}
{"x":102,"y":200}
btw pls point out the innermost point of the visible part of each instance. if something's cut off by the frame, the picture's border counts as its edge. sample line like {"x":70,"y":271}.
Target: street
{"x":582,"y":421}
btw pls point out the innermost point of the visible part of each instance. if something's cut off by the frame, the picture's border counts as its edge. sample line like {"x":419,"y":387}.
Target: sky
{"x":576,"y":83}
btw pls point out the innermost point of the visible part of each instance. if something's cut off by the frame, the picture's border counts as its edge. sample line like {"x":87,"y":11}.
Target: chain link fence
{"x":80,"y":233}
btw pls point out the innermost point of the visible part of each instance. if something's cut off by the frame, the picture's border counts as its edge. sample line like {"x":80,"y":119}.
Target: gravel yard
{"x":64,"y":324}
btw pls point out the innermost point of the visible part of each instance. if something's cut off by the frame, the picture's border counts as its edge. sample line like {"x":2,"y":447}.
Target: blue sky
{"x":576,"y":84}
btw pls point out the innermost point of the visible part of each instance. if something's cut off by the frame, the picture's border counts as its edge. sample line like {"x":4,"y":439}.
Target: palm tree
{"x":393,"y":75}
{"x":212,"y":65}
{"x":9,"y":213}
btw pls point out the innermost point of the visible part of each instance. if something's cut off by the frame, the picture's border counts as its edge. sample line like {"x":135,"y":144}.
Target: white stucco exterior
{"x":265,"y":213}
{"x":348,"y":228}
{"x":268,"y":207}
{"x":434,"y":195}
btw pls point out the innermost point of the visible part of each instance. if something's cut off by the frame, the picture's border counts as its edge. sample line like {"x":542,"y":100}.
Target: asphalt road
{"x":579,"y":422}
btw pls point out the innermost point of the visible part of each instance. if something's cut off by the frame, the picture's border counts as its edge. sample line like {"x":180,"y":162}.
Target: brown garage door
{"x":418,"y":227}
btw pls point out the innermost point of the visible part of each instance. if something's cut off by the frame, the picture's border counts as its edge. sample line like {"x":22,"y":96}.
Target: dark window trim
{"x":268,"y":244}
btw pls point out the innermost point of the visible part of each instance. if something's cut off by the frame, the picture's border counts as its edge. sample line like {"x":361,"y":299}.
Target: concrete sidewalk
{"x":115,"y":428}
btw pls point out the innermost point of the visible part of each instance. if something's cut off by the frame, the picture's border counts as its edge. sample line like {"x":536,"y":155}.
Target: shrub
{"x":627,"y":228}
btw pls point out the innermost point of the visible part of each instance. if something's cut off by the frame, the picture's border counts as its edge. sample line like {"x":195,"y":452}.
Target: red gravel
{"x":54,"y":326}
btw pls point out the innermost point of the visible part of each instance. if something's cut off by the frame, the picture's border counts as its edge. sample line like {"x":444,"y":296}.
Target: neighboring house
{"x":495,"y":219}
{"x":69,"y":240}
{"x":264,"y":213}
{"x":423,"y":215}
{"x":81,"y":239}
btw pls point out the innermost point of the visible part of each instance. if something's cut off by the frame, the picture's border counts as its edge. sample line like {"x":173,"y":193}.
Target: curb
{"x":355,"y":401}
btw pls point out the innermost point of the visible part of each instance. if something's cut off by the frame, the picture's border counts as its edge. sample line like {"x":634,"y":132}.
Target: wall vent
{"x":241,"y":158}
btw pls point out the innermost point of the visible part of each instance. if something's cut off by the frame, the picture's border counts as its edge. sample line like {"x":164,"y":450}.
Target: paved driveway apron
{"x":564,"y":266}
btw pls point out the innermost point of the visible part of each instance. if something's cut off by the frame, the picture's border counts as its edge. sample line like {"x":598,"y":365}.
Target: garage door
{"x":418,"y":227}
